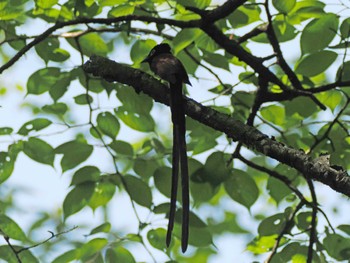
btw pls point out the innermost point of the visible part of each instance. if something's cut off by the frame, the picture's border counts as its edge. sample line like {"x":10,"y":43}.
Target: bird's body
{"x":169,"y":68}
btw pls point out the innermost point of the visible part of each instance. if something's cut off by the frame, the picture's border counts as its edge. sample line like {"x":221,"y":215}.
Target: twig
{"x":53,"y":235}
{"x":284,"y":231}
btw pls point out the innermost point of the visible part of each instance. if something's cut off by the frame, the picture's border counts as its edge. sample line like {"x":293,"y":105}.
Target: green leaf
{"x":104,"y":192}
{"x":162,"y":180}
{"x":330,"y":98}
{"x":78,"y":198}
{"x":121,"y":10}
{"x":41,"y":80}
{"x":58,"y":108}
{"x":337,"y":246}
{"x":145,"y":168}
{"x":305,"y":10}
{"x":11,"y":13}
{"x":34,"y":125}
{"x":185,"y":38}
{"x":284,"y":6}
{"x":138,"y":53}
{"x":83,"y":99}
{"x":262,"y":244}
{"x":7,"y":254}
{"x":6,"y":166}
{"x":138,"y":190}
{"x":344,"y":228}
{"x":277,"y":189}
{"x":297,"y":106}
{"x":90,"y":248}
{"x":10,"y":228}
{"x":202,"y":4}
{"x":319,"y":33}
{"x":104,"y":228}
{"x":45,"y":4}
{"x":272,"y":225}
{"x":216,"y":60}
{"x":108,"y":124}
{"x":49,"y":49}
{"x":157,"y":237}
{"x":303,"y":220}
{"x":133,"y":102}
{"x":274,"y":114}
{"x":200,"y":237}
{"x":343,"y":73}
{"x":345,"y":28}
{"x":39,"y":151}
{"x":6,"y":130}
{"x":161,"y":209}
{"x":119,"y":254}
{"x":111,"y":2}
{"x":315,"y":63}
{"x":91,"y":44}
{"x":284,"y":32}
{"x":214,"y":171}
{"x":122,"y":147}
{"x":244,"y":15}
{"x":206,"y":43}
{"x":242,"y":188}
{"x":66,"y":257}
{"x":86,"y":174}
{"x":74,"y":153}
{"x":60,"y":87}
{"x":136,"y":121}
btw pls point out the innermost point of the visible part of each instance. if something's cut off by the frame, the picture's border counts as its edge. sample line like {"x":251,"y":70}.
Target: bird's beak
{"x":145,"y":60}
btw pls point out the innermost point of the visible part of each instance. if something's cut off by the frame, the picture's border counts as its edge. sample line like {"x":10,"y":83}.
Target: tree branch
{"x":249,"y":136}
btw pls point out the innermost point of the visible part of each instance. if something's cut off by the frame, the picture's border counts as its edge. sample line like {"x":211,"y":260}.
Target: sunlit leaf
{"x":105,"y":228}
{"x":274,"y":114}
{"x":104,"y":191}
{"x":10,"y":228}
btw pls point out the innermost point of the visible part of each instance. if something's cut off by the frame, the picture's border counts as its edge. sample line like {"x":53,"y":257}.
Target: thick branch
{"x":249,"y":136}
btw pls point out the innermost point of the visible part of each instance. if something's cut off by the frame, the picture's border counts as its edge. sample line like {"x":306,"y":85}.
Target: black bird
{"x":169,"y":68}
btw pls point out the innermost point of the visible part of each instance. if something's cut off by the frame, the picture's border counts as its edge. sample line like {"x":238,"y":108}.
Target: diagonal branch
{"x":249,"y":136}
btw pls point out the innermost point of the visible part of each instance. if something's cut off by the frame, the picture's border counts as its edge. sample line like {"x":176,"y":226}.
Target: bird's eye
{"x":152,"y":52}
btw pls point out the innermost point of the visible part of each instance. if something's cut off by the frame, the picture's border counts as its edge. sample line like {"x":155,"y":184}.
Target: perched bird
{"x":169,"y":68}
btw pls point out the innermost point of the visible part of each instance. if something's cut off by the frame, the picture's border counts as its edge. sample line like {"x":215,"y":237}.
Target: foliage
{"x":242,"y":49}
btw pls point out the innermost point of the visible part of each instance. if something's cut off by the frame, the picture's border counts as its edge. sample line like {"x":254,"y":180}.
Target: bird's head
{"x":157,"y":50}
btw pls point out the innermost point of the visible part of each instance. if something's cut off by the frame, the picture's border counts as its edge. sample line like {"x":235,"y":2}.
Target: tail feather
{"x":174,"y":184}
{"x":179,"y":160}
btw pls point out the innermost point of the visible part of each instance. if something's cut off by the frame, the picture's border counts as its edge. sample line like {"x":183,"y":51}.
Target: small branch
{"x":7,"y":239}
{"x":53,"y":235}
{"x":313,"y":236}
{"x":326,"y":133}
{"x":284,"y":231}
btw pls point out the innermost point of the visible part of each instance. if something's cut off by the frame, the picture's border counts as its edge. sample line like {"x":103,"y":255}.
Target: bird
{"x":164,"y":64}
